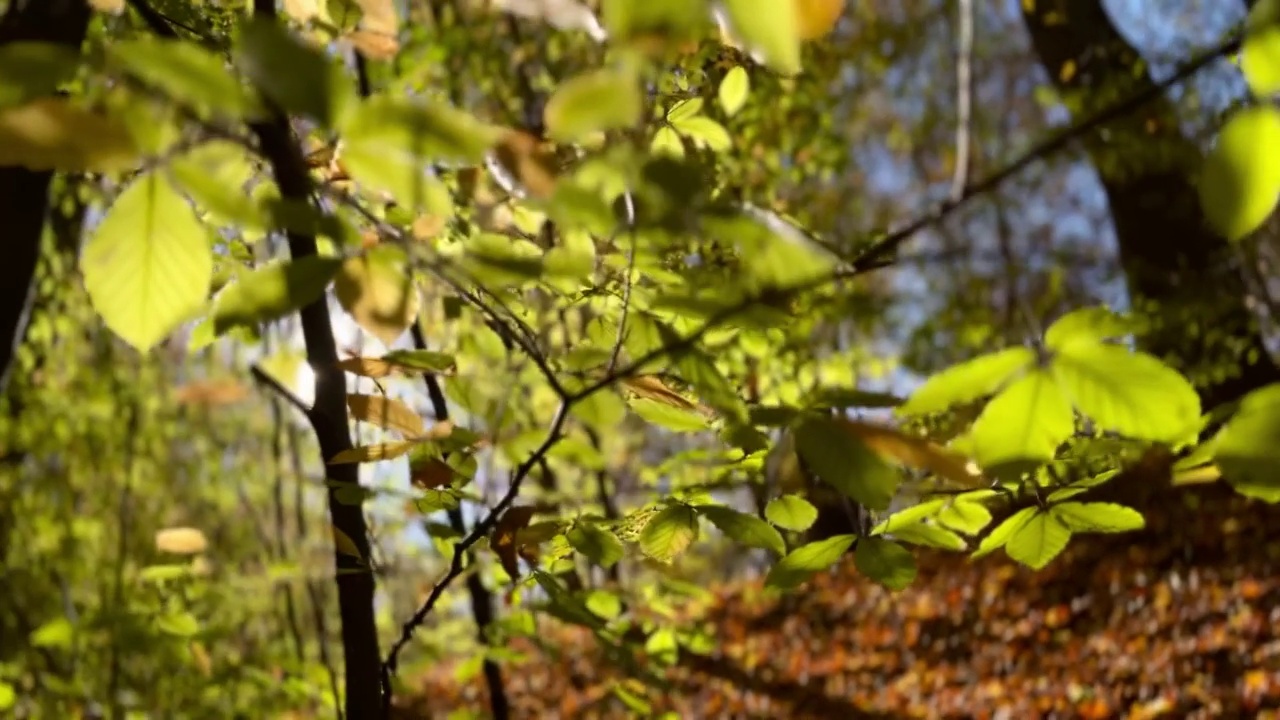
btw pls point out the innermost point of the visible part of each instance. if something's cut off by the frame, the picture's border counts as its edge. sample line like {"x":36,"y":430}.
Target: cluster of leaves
{"x":1161,"y":624}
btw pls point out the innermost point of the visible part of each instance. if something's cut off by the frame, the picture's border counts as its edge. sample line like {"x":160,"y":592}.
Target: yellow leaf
{"x":914,"y":452}
{"x":302,"y":10}
{"x":377,"y":290}
{"x":387,"y":413}
{"x":374,"y":45}
{"x":107,"y":6}
{"x":379,"y":16}
{"x":372,"y":453}
{"x":375,"y":368}
{"x":52,"y":134}
{"x":343,"y":543}
{"x":817,"y":17}
{"x":181,"y":541}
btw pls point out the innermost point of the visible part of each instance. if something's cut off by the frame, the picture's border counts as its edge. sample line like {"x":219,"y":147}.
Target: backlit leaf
{"x":313,"y":86}
{"x":733,"y":91}
{"x":1001,"y":533}
{"x":148,"y":265}
{"x":769,"y":27}
{"x":913,"y":452}
{"x":372,"y":453}
{"x":968,"y":381}
{"x":1260,"y":51}
{"x":885,"y":562}
{"x":1026,"y":422}
{"x":593,"y":102}
{"x":746,"y":529}
{"x":1130,"y":393}
{"x":669,"y":533}
{"x":599,"y":545}
{"x":377,"y":289}
{"x":1038,"y":541}
{"x":1240,"y":179}
{"x":273,"y":291}
{"x":806,"y":561}
{"x":791,"y":512}
{"x":845,"y":462}
{"x":387,"y":413}
{"x":187,"y":73}
{"x":1097,"y":517}
{"x":1247,"y":449}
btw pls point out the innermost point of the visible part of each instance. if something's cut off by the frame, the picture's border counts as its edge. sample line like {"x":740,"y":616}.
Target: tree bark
{"x":1175,"y":266}
{"x":24,"y":194}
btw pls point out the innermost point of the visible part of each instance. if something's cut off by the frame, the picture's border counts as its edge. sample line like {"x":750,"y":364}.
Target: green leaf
{"x":1260,"y":51}
{"x":769,"y":27}
{"x":148,"y":266}
{"x":1001,"y":533}
{"x":1026,"y":422}
{"x":733,"y":91}
{"x":966,"y":517}
{"x":298,"y":77}
{"x":1240,"y":180}
{"x":56,"y":633}
{"x":921,"y":533}
{"x":669,"y":533}
{"x":909,"y":515}
{"x":1092,"y":325}
{"x":844,"y":462}
{"x":422,"y":360}
{"x":671,"y":20}
{"x":8,"y":696}
{"x":605,"y":604}
{"x":807,"y":560}
{"x":599,"y":545}
{"x":1040,"y":539}
{"x":215,"y":174}
{"x":746,"y":529}
{"x":684,"y":110}
{"x":180,"y":624}
{"x":968,"y":381}
{"x":389,"y":144}
{"x":791,"y":512}
{"x":885,"y":562}
{"x":273,"y":291}
{"x":31,"y":69}
{"x":1097,"y":517}
{"x":188,"y":74}
{"x":593,"y":102}
{"x":1130,"y":393}
{"x":705,"y":132}
{"x":668,"y":416}
{"x":1247,"y":449}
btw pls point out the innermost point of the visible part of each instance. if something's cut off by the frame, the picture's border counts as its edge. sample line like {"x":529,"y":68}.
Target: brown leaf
{"x":343,"y":543}
{"x":504,"y":542}
{"x":430,"y":473}
{"x":649,"y":386}
{"x":211,"y":393}
{"x":371,"y":453}
{"x":377,"y":289}
{"x":387,"y":413}
{"x":914,"y":452}
{"x":529,"y":163}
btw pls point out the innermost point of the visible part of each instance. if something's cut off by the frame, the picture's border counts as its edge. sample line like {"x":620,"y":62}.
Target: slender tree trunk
{"x":24,"y":194}
{"x":1175,"y":266}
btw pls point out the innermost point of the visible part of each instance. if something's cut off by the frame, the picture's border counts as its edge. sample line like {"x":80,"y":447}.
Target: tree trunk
{"x":24,"y":194}
{"x":1175,"y":266}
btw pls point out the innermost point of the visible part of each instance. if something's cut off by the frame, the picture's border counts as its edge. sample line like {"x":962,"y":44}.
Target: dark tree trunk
{"x":24,"y":194}
{"x":1173,"y":263}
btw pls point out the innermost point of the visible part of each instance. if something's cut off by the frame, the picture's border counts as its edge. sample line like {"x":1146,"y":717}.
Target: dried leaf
{"x":374,"y":45}
{"x":505,"y":534}
{"x":914,"y":452}
{"x":387,"y":413}
{"x":181,"y":541}
{"x":521,"y":155}
{"x":211,"y":393}
{"x":430,"y":474}
{"x":371,"y":453}
{"x":651,"y":387}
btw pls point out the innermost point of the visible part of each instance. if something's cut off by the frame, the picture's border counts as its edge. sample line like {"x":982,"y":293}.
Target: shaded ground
{"x":1181,"y":621}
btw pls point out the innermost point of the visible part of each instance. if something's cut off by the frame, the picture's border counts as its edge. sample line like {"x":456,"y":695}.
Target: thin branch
{"x":964,"y":95}
{"x":481,"y":529}
{"x":279,"y":389}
